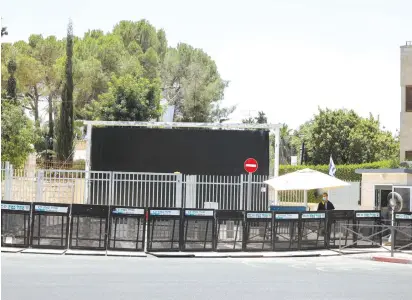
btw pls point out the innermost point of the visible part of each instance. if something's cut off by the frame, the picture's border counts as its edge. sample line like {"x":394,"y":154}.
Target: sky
{"x":283,"y":57}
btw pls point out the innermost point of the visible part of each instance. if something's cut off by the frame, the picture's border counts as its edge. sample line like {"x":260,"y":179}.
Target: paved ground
{"x":41,"y":277}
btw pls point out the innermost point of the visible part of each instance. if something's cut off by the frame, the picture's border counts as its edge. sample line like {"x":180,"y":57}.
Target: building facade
{"x":406,"y":103}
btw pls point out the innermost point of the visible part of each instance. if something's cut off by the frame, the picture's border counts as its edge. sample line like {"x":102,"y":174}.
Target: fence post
{"x":241,"y":192}
{"x":179,"y":190}
{"x":8,"y":180}
{"x":39,"y":186}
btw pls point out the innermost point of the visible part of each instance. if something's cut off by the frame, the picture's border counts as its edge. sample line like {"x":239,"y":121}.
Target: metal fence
{"x":139,"y":189}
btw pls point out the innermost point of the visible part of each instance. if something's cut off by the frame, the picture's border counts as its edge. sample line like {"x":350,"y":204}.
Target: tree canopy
{"x":119,"y":75}
{"x":349,"y":138}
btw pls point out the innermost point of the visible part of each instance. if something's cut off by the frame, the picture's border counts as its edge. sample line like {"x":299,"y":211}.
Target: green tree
{"x":349,"y":138}
{"x":129,"y":99}
{"x":66,"y":129}
{"x":11,"y":82}
{"x":192,"y":83}
{"x":17,"y":134}
{"x":261,"y":118}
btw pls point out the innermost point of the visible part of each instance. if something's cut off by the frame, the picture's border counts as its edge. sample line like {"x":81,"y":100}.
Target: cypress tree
{"x":66,"y":130}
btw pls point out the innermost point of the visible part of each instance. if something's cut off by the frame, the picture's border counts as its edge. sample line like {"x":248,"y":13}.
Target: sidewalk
{"x":376,"y":254}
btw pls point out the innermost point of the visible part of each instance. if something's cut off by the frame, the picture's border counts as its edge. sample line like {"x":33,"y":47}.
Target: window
{"x":408,"y":155}
{"x":408,"y":99}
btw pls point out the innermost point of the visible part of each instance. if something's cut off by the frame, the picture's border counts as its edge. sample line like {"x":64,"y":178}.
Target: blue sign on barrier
{"x":259,"y":215}
{"x":403,"y":217}
{"x":199,"y":213}
{"x":165,"y":212}
{"x":55,"y":209}
{"x":368,"y":215}
{"x":288,"y":208}
{"x":313,"y":216}
{"x":128,"y":211}
{"x":287,"y":216}
{"x":17,"y":207}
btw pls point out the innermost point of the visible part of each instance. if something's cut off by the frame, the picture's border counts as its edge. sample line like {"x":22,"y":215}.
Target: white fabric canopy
{"x":306,"y":179}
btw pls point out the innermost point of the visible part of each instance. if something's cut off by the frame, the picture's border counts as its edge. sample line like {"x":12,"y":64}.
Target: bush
{"x":343,"y":172}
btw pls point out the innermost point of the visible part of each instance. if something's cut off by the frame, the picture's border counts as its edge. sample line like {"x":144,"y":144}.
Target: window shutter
{"x":408,"y":155}
{"x":408,"y":99}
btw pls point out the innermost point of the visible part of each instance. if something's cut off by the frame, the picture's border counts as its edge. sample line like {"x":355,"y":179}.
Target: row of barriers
{"x":98,"y":227}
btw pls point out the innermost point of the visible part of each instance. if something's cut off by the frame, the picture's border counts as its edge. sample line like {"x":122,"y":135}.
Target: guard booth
{"x":403,"y":234}
{"x":312,"y":230}
{"x":127,"y":228}
{"x":15,"y":224}
{"x":88,"y":228}
{"x":229,"y":231}
{"x":198,"y":230}
{"x":50,"y":225}
{"x":339,"y":231}
{"x":286,"y":231}
{"x":163,"y":232}
{"x":258,"y":233}
{"x":368,"y":229}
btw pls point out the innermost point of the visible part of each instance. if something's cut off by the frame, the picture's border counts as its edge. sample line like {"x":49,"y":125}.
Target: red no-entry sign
{"x":251,"y":165}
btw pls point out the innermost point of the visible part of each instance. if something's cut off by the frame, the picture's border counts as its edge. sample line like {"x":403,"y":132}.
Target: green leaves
{"x":130,"y":99}
{"x":17,"y":134}
{"x":349,"y":138}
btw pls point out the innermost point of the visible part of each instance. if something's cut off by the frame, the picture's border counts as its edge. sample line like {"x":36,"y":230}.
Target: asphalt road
{"x":44,"y":277}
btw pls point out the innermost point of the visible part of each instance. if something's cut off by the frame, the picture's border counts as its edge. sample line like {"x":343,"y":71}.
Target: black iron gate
{"x":338,"y":221}
{"x":88,"y":227}
{"x":286,"y":231}
{"x":163,"y":231}
{"x":229,"y":233}
{"x":403,"y":235}
{"x":313,"y":230}
{"x":15,"y":224}
{"x":368,"y":231}
{"x":50,"y":225}
{"x":258,"y":231}
{"x":198,"y":230}
{"x":127,"y":228}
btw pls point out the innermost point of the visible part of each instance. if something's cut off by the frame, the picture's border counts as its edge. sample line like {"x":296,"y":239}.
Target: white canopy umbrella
{"x":306,"y":179}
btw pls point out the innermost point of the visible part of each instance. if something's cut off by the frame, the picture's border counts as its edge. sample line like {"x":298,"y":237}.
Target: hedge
{"x":343,"y":172}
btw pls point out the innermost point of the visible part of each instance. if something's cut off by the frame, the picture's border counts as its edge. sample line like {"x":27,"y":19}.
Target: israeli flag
{"x":332,"y":168}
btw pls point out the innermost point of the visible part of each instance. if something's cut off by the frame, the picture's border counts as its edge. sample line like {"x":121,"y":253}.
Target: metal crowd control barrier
{"x":15,"y":224}
{"x":229,"y":232}
{"x":50,"y":225}
{"x":258,"y":231}
{"x":286,"y":231}
{"x":366,"y":225}
{"x":127,"y":228}
{"x":403,"y":236}
{"x":198,"y":230}
{"x":163,"y":232}
{"x":88,"y":228}
{"x":335,"y":235}
{"x":312,"y":230}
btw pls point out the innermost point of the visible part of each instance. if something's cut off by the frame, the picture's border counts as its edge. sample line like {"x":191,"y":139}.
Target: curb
{"x":391,"y":260}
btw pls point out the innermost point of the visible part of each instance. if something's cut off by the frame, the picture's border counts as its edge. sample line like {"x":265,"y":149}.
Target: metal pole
{"x":305,"y":199}
{"x":393,"y":230}
{"x":277,"y":159}
{"x":249,"y":191}
{"x":88,"y":163}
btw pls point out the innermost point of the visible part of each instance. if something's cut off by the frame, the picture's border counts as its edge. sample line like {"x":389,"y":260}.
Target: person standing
{"x":325,"y":204}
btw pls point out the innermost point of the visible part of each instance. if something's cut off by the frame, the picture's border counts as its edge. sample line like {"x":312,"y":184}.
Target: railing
{"x":106,"y":227}
{"x":138,"y":189}
{"x":377,"y":231}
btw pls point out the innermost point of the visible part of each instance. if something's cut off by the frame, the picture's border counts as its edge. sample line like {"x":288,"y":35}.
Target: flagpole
{"x":332,"y":170}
